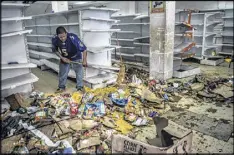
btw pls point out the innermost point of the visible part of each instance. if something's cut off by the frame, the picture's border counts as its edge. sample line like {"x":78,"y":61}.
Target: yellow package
{"x":123,"y":126}
{"x":76,"y":97}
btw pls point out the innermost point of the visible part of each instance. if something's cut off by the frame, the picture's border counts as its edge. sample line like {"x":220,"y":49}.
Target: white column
{"x":162,"y":19}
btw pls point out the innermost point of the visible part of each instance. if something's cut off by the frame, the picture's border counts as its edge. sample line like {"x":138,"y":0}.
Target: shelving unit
{"x":133,"y":37}
{"x":15,"y":63}
{"x":226,"y":42}
{"x":92,"y":25}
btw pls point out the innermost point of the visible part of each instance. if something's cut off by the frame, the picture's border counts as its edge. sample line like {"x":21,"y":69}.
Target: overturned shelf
{"x":40,"y":44}
{"x":44,"y":54}
{"x":39,"y":35}
{"x":115,"y":39}
{"x":15,"y":19}
{"x":16,"y":33}
{"x":18,"y":81}
{"x":17,"y":66}
{"x":100,"y":19}
{"x":48,"y":25}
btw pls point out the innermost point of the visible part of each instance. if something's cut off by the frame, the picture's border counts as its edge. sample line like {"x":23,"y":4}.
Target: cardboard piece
{"x":124,"y":144}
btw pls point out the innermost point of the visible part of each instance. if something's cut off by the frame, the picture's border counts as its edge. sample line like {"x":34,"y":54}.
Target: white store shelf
{"x":48,"y":25}
{"x":215,"y":22}
{"x":39,"y":35}
{"x":16,"y":33}
{"x":142,"y":55}
{"x":101,"y":19}
{"x":139,"y":38}
{"x":107,"y":30}
{"x":180,"y":47}
{"x":210,"y":34}
{"x":17,"y":66}
{"x":15,"y":5}
{"x":101,"y":9}
{"x":228,"y":45}
{"x":115,"y":39}
{"x":142,"y":44}
{"x":228,"y":17}
{"x":127,"y":32}
{"x":125,"y":24}
{"x":18,"y":81}
{"x":99,"y":49}
{"x":124,"y":54}
{"x":141,"y":17}
{"x":40,"y":44}
{"x":45,"y":54}
{"x":124,"y":15}
{"x":15,"y":19}
{"x":127,"y":47}
{"x":225,"y":53}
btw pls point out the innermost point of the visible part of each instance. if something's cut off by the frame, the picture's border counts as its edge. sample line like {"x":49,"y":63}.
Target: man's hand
{"x":84,"y":63}
{"x":66,"y":60}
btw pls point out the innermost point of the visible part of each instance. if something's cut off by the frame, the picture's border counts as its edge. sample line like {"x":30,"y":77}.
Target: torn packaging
{"x":88,"y":142}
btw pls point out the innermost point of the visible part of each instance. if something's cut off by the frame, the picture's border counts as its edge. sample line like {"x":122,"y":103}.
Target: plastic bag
{"x":94,"y":110}
{"x":76,"y":97}
{"x":88,"y":142}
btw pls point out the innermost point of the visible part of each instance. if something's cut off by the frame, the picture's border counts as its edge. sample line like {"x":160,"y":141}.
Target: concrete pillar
{"x":162,"y":23}
{"x":58,"y":6}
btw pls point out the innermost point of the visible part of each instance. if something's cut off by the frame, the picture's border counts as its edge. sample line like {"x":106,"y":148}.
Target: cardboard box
{"x":124,"y":144}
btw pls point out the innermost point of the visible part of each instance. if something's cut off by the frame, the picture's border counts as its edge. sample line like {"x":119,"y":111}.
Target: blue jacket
{"x":74,"y":46}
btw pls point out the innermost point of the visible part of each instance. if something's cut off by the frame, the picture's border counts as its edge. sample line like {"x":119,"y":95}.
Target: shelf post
{"x":162,"y":18}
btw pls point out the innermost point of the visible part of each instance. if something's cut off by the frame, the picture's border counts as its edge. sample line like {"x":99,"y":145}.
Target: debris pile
{"x":85,"y":122}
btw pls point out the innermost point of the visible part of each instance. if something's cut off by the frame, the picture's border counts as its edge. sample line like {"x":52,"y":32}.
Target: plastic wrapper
{"x":88,"y":142}
{"x":130,"y":117}
{"x":140,"y":122}
{"x":115,"y":99}
{"x":88,"y":124}
{"x":87,"y":97}
{"x":109,"y":122}
{"x":94,"y":110}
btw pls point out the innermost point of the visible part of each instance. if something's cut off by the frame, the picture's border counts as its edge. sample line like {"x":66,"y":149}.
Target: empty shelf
{"x":210,"y":34}
{"x":11,"y":5}
{"x":143,"y":44}
{"x":211,"y":56}
{"x":100,"y":78}
{"x":40,"y":44}
{"x":16,"y":33}
{"x":99,"y":49}
{"x":47,"y":25}
{"x":225,"y":53}
{"x":182,"y":46}
{"x":139,"y":38}
{"x":124,"y":54}
{"x":127,"y":47}
{"x":210,"y":47}
{"x":124,"y":24}
{"x":45,"y":54}
{"x":39,"y":35}
{"x":231,"y":17}
{"x":227,"y":25}
{"x":18,"y":81}
{"x":15,"y":19}
{"x":124,"y":15}
{"x":227,"y":35}
{"x":215,"y":22}
{"x":107,"y":30}
{"x":142,"y":55}
{"x":100,"y":19}
{"x":228,"y":45}
{"x":115,"y":39}
{"x":197,"y":13}
{"x":101,"y":9}
{"x":198,"y":46}
{"x":141,"y":17}
{"x":55,"y":13}
{"x":127,"y":32}
{"x":16,"y":66}
{"x":212,"y":14}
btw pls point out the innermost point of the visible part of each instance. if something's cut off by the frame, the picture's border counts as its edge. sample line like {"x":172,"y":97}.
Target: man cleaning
{"x":70,"y":49}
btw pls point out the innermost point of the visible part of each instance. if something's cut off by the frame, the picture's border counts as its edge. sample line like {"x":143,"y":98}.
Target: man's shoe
{"x":60,"y":90}
{"x":80,"y":89}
